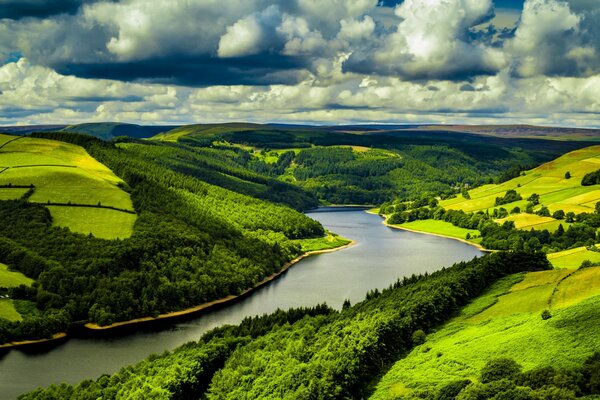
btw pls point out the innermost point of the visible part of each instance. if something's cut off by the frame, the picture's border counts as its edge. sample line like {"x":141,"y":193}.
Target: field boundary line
{"x":86,"y":205}
{"x":12,"y":140}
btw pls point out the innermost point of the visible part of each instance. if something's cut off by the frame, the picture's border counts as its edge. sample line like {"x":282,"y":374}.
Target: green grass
{"x":8,"y":311}
{"x":63,"y":173}
{"x":329,"y":241}
{"x":573,"y":258}
{"x":440,"y":228}
{"x":101,"y":222}
{"x":503,"y":323}
{"x":11,"y":194}
{"x":12,"y":278}
{"x":547,"y":180}
{"x":533,"y":221}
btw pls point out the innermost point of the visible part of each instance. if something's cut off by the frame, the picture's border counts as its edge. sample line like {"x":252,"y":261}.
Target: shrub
{"x":546,"y":315}
{"x":418,"y":337}
{"x":500,"y":368}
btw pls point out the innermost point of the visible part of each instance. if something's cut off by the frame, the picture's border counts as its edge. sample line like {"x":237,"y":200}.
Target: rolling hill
{"x":81,"y":193}
{"x":548,"y":181}
{"x":505,"y":322}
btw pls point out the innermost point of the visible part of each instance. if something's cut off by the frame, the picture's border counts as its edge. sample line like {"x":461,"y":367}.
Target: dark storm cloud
{"x":196,"y":71}
{"x":17,"y":9}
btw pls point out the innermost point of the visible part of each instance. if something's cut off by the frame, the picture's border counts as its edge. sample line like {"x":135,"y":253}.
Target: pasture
{"x":12,"y":193}
{"x":533,"y":221}
{"x":548,"y":180}
{"x":8,"y":311}
{"x":12,"y":278}
{"x":573,"y":258}
{"x":440,"y":228}
{"x":511,"y":327}
{"x":65,"y":173}
{"x":103,"y":223}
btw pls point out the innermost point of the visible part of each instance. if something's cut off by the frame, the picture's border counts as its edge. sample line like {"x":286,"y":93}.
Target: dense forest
{"x":309,"y":353}
{"x":378,"y":166}
{"x":582,"y":230}
{"x":193,"y":241}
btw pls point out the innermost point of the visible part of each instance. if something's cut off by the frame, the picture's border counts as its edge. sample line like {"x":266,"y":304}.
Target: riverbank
{"x":476,"y":245}
{"x":57,"y":337}
{"x":208,"y":306}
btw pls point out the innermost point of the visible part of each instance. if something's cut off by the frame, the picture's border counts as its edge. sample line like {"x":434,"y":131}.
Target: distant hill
{"x":25,"y":129}
{"x":109,"y":130}
{"x":522,"y":131}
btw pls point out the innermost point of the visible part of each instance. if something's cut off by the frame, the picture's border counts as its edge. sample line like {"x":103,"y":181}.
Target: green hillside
{"x":204,"y":228}
{"x":340,"y":165}
{"x":505,"y":322}
{"x":548,"y":181}
{"x":109,"y":130}
{"x":66,"y":176}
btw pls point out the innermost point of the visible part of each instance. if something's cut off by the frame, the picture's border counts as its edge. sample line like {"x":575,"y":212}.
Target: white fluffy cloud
{"x":550,"y":39}
{"x":432,"y":41}
{"x":303,"y":60}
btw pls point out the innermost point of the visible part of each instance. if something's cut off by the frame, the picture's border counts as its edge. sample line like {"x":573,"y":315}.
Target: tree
{"x":567,"y":175}
{"x":418,"y":337}
{"x":534,"y":199}
{"x":499,"y":368}
{"x":570,"y":217}
{"x":543,"y":212}
{"x":598,"y":207}
{"x":558,"y":214}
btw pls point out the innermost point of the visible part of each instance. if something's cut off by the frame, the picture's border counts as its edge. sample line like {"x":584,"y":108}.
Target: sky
{"x":300,"y":61}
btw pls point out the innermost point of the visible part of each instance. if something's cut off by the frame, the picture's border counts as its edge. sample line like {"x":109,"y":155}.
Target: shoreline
{"x":476,"y":245}
{"x":199,"y":309}
{"x":28,"y":343}
{"x":211,"y":304}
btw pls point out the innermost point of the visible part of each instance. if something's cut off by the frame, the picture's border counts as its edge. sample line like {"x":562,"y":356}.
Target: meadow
{"x":65,"y":173}
{"x":573,"y":258}
{"x":103,"y":223}
{"x":506,"y":322}
{"x":440,"y":228}
{"x":10,"y":279}
{"x":548,"y":180}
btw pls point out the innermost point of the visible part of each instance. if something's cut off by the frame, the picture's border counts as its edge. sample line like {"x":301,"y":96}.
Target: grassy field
{"x":506,"y":322}
{"x":103,"y":223}
{"x":548,"y":180}
{"x":440,"y":228}
{"x":330,"y":241}
{"x":8,"y":311}
{"x":533,"y":221}
{"x":573,"y":258}
{"x":11,"y":194}
{"x":209,"y":129}
{"x":12,"y":278}
{"x":63,"y":173}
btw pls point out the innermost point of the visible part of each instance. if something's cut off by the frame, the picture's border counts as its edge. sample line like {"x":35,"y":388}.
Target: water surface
{"x":380,"y":256}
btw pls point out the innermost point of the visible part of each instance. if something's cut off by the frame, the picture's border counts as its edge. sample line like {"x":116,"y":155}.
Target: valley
{"x":203,"y":214}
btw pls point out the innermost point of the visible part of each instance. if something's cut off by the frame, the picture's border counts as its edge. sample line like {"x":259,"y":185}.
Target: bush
{"x":546,"y":315}
{"x":418,"y":337}
{"x":451,"y":390}
{"x":500,"y":368}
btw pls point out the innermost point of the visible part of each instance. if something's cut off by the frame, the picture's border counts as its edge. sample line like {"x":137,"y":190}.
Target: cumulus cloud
{"x":432,"y":42}
{"x":553,"y":39}
{"x":300,"y":60}
{"x":251,"y":35}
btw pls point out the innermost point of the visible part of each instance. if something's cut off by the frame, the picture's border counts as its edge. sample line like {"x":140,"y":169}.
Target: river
{"x":380,"y":256}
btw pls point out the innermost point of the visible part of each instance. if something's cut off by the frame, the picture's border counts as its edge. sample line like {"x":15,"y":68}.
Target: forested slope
{"x":192,"y":242}
{"x":353,"y":167}
{"x":309,"y":353}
